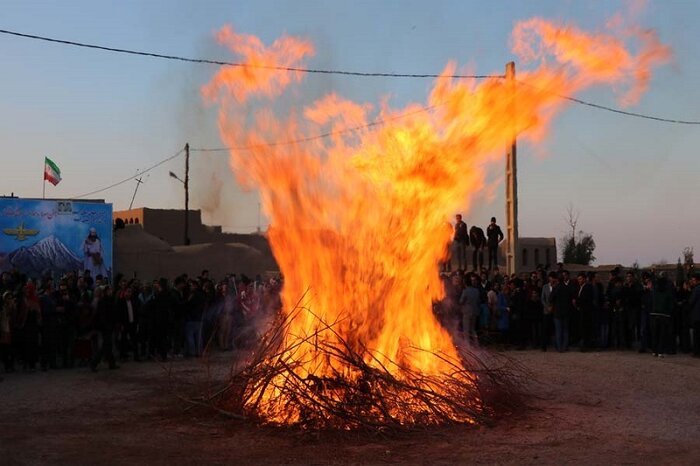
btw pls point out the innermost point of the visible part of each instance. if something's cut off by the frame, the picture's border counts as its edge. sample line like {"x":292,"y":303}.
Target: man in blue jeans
{"x":193,"y":320}
{"x":562,"y":302}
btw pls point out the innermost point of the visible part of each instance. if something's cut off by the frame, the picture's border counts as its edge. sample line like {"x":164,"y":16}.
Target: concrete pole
{"x":511,"y":184}
{"x":187,"y":194}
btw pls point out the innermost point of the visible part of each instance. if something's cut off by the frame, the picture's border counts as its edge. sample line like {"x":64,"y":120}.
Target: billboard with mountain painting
{"x":40,"y":236}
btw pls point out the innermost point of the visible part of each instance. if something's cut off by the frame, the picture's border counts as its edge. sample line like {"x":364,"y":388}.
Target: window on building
{"x":547,"y":257}
{"x":524,"y":256}
{"x":537,"y":257}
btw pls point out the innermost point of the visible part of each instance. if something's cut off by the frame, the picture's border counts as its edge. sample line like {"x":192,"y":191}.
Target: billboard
{"x":40,"y":236}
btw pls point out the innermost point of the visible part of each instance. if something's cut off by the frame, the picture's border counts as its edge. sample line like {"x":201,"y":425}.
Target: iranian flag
{"x":51,"y":172}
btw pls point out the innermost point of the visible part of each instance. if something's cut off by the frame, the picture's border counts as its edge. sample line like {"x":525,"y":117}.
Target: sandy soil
{"x":592,"y":408}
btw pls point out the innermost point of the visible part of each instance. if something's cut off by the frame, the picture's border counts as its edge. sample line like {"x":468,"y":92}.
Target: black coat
{"x":561,"y":300}
{"x":123,"y":311}
{"x":476,"y":237}
{"x":461,"y":234}
{"x":106,"y":317}
{"x":494,"y":234}
{"x":694,"y":303}
{"x":585,"y":300}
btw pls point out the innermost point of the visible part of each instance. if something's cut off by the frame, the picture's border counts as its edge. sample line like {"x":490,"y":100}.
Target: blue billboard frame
{"x":39,"y":237}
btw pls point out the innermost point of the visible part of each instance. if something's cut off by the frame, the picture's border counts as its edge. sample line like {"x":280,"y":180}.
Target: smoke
{"x":226,"y":199}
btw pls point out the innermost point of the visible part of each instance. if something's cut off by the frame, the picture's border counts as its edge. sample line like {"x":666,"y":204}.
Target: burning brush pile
{"x":359,"y":222}
{"x":351,"y":386}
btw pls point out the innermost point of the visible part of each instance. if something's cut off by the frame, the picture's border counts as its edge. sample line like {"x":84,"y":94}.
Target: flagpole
{"x":43,"y":180}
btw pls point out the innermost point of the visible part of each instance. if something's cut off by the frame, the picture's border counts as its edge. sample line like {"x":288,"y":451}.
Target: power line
{"x":271,"y":144}
{"x":351,"y":129}
{"x":330,"y":71}
{"x":131,"y":177}
{"x":612,"y":109}
{"x":633,"y":114}
{"x":245,"y":65}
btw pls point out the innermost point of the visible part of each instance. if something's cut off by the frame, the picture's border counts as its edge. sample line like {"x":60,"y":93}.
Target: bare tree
{"x":572,"y":218}
{"x":577,"y":246}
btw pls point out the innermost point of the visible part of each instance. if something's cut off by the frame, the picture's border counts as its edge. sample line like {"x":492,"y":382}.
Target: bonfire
{"x":358,"y":196}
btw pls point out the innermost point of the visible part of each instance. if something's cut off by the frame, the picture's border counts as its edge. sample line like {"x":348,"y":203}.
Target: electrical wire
{"x":633,"y":114}
{"x":330,"y":71}
{"x":271,"y":144}
{"x":131,"y":177}
{"x":245,"y":65}
{"x":612,"y":109}
{"x":351,"y":129}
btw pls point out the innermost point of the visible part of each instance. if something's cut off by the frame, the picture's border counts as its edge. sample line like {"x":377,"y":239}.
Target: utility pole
{"x":187,"y":194}
{"x":511,"y":182}
{"x":138,"y":183}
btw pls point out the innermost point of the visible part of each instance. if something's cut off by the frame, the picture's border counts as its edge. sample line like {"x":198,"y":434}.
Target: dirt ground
{"x":590,"y":408}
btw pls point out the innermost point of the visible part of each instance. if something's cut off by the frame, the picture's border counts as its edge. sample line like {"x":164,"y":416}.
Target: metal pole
{"x":138,"y":182}
{"x":511,"y":183}
{"x":187,"y":194}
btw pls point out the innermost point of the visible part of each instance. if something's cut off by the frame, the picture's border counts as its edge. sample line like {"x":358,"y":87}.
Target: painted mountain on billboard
{"x":47,"y":254}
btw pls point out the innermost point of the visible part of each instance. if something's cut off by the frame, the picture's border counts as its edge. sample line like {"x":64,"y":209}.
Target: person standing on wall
{"x":460,"y":242}
{"x":478,"y":241}
{"x":495,"y":236}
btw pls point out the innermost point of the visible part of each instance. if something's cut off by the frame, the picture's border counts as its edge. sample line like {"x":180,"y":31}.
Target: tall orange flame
{"x":358,"y":218}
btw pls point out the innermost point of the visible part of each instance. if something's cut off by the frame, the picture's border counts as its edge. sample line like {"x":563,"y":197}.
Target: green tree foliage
{"x":578,"y":250}
{"x":688,"y":256}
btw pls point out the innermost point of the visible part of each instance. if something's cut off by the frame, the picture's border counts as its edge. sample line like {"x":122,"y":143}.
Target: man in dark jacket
{"x":193,"y":320}
{"x":51,"y":324}
{"x":694,"y":303}
{"x":647,"y":303}
{"x":547,"y":317}
{"x":631,"y":302}
{"x":585,"y":304}
{"x":561,"y":301}
{"x":661,"y":309}
{"x":128,"y":308}
{"x":460,"y":242}
{"x":478,"y":241}
{"x":495,"y":236}
{"x":161,"y":308}
{"x":67,"y":311}
{"x":105,"y":322}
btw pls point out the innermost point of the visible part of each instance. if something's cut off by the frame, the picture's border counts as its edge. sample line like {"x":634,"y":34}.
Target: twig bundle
{"x":356,"y":389}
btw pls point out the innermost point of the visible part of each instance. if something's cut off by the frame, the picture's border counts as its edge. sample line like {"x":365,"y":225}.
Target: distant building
{"x":168,"y":225}
{"x":536,"y":251}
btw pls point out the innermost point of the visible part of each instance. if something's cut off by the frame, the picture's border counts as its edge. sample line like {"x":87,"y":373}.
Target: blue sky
{"x":102,"y":116}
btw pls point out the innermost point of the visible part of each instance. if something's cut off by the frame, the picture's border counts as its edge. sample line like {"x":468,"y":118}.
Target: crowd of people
{"x":644,"y":311}
{"x":81,"y":322}
{"x":641,"y":310}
